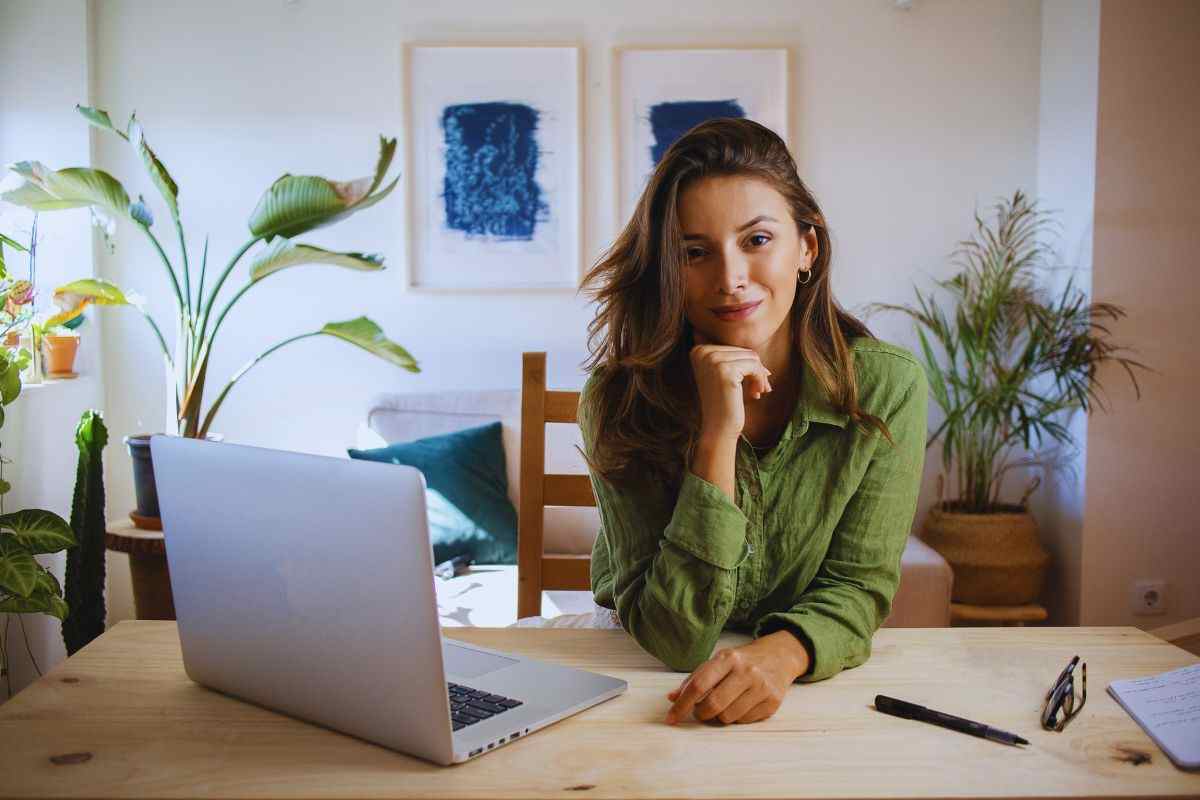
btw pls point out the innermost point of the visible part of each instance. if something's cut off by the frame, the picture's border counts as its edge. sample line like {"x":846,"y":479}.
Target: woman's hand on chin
{"x":741,"y":684}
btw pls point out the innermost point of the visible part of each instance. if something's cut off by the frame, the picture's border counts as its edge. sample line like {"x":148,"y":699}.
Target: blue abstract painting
{"x":491,"y":154}
{"x":669,"y":121}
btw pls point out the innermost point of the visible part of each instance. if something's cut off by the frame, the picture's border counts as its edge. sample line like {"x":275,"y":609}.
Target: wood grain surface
{"x":121,"y":719}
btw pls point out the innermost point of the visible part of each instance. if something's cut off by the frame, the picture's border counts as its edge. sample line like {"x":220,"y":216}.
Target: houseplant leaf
{"x":18,"y":568}
{"x":46,"y":597}
{"x":10,"y":383}
{"x":158,"y":173}
{"x":369,"y":336}
{"x":30,"y":196}
{"x":97,"y":290}
{"x":38,"y":530}
{"x":42,"y":602}
{"x":99,"y":118}
{"x":360,"y":331}
{"x":13,"y":243}
{"x":79,"y":186}
{"x":78,"y":295}
{"x":286,"y":253}
{"x":295,"y":204}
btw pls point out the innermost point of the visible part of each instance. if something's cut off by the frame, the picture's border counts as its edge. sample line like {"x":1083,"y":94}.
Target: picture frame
{"x":661,"y":91}
{"x":494,"y":139}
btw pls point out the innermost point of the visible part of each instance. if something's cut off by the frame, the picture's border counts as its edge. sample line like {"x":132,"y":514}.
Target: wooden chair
{"x":1184,"y":634}
{"x":537,"y":571}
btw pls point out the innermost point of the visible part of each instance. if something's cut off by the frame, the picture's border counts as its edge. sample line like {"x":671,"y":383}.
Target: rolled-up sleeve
{"x":666,"y":564}
{"x":851,"y":594}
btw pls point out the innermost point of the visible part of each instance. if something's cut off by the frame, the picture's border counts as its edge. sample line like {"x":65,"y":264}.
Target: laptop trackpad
{"x":467,"y":663}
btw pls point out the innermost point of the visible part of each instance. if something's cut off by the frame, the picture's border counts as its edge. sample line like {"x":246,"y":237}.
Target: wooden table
{"x":121,"y":719}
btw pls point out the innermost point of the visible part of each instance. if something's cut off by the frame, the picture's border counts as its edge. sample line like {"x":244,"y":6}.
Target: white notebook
{"x":1167,"y":706}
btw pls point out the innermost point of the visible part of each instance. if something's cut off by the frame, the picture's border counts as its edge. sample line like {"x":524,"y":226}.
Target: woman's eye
{"x":760,"y":236}
{"x":695,"y":253}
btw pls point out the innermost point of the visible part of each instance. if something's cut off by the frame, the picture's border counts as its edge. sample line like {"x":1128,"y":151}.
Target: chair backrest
{"x":537,"y":571}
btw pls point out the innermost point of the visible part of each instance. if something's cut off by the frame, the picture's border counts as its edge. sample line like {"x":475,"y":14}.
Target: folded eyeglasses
{"x":1061,"y":697}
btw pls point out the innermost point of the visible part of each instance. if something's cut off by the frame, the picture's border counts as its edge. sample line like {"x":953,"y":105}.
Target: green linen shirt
{"x":812,"y":545}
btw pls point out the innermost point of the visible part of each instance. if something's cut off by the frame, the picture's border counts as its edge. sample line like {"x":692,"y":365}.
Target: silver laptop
{"x":305,"y":584}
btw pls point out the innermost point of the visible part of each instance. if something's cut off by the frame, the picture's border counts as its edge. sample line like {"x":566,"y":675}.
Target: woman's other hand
{"x":741,"y":684}
{"x":725,"y":376}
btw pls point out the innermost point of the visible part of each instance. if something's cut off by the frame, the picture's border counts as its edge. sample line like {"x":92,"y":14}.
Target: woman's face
{"x":743,"y":248}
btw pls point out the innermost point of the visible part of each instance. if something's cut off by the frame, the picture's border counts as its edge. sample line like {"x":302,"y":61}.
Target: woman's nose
{"x":733,"y":273}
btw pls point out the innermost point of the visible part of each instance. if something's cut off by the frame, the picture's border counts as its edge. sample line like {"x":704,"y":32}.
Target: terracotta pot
{"x":59,"y":352}
{"x":997,"y":557}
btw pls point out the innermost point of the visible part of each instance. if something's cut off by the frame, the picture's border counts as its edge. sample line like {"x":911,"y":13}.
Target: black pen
{"x":899,"y":708}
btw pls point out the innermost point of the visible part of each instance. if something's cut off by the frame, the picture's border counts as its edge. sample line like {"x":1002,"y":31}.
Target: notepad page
{"x":1167,"y":706}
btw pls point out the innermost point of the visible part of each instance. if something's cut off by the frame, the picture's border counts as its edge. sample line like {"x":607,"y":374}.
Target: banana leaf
{"x":72,"y":187}
{"x":295,"y":204}
{"x":286,"y":253}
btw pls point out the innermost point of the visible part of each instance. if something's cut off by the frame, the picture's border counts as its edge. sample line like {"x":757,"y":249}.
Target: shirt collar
{"x":814,"y":406}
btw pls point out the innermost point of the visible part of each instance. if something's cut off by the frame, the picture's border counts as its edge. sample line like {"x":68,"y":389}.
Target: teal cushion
{"x":466,"y":492}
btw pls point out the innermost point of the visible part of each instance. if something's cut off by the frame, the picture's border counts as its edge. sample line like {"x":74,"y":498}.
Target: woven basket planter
{"x":997,"y":558}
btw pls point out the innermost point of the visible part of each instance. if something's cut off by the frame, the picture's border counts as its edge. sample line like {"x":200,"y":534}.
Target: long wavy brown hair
{"x":645,"y":402}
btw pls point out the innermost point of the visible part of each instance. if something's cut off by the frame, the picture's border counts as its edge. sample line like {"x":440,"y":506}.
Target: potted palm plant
{"x":292,"y":206}
{"x":1013,"y":360}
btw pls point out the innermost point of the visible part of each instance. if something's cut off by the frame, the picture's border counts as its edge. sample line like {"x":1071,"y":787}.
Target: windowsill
{"x":55,"y":382}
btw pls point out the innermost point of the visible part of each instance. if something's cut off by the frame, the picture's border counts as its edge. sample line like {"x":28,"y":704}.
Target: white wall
{"x":1067,"y":185}
{"x":43,"y":59}
{"x":905,"y":122}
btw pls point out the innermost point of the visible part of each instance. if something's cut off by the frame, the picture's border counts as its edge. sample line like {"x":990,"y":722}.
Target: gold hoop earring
{"x":807,"y":272}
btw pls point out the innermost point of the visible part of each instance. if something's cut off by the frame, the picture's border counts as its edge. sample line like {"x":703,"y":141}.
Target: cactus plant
{"x":85,"y":561}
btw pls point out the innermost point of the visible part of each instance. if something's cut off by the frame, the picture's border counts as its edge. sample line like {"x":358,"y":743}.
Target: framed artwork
{"x":494,"y":167}
{"x":661,"y":92}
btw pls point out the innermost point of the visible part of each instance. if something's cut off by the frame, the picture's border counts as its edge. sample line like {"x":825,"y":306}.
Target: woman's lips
{"x":730,"y":316}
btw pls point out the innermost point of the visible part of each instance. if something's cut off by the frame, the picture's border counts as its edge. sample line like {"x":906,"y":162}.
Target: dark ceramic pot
{"x":143,"y":474}
{"x":143,"y":471}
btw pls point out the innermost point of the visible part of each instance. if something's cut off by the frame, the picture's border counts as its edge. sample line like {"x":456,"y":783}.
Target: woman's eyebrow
{"x":755,"y":221}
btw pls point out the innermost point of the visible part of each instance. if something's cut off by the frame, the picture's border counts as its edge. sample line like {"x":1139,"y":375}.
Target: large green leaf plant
{"x":26,"y":587}
{"x":293,"y":205}
{"x":1013,"y":357}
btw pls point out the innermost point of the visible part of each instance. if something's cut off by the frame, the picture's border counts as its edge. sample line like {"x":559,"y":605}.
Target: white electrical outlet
{"x":1149,"y":597}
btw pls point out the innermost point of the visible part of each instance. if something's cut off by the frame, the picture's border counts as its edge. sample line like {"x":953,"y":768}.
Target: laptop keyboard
{"x":468,"y":706}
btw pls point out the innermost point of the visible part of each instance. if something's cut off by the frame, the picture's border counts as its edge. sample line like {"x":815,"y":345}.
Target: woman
{"x":755,"y":453}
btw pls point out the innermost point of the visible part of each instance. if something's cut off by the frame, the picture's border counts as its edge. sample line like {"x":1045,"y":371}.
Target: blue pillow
{"x":467,"y":492}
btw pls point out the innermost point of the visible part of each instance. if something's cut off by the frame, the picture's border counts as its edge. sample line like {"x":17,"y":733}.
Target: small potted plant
{"x":1013,"y":359}
{"x":57,"y":339}
{"x":59,"y":346}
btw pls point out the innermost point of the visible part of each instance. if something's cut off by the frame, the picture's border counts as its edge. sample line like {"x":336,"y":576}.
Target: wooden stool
{"x":1002,"y":615}
{"x":147,"y":551}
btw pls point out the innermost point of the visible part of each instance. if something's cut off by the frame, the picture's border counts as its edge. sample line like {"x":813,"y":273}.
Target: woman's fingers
{"x":740,"y":706}
{"x":731,"y":688}
{"x":737,"y":364}
{"x":704,"y":679}
{"x":759,"y":712}
{"x":675,"y":692}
